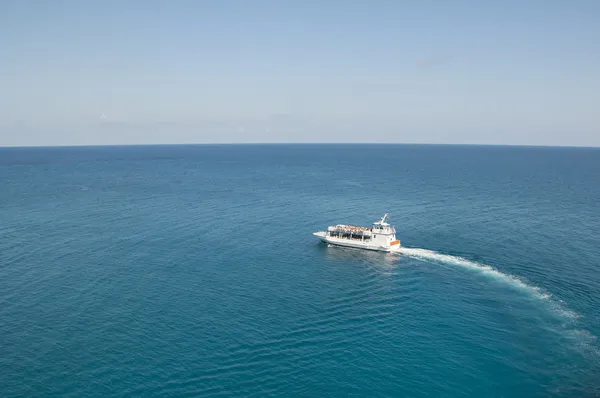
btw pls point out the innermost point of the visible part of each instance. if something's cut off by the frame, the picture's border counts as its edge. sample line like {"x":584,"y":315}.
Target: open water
{"x":192,"y":271}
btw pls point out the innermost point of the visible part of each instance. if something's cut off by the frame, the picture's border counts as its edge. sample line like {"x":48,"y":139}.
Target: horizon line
{"x":297,"y":144}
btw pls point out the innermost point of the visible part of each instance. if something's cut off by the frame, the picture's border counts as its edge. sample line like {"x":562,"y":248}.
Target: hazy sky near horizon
{"x":147,"y":72}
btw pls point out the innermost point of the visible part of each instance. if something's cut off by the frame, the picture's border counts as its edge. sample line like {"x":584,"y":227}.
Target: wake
{"x":489,"y":271}
{"x":582,"y":339}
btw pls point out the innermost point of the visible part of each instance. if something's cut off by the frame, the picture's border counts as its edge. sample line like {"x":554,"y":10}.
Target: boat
{"x":381,"y":236}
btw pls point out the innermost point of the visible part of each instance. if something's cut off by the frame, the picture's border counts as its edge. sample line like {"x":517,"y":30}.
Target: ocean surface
{"x":192,"y":271}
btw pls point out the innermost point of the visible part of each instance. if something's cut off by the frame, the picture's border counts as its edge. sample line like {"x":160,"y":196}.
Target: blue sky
{"x":148,"y":72}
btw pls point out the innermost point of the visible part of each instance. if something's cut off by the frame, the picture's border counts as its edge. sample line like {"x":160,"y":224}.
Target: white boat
{"x":381,"y":236}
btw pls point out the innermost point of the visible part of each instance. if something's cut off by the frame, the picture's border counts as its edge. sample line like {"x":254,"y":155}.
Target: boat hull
{"x":355,"y":244}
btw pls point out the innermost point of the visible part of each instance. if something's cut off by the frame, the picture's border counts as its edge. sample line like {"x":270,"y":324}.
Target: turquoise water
{"x":192,"y":271}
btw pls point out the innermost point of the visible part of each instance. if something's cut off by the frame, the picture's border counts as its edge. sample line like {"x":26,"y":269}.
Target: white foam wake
{"x":582,"y":339}
{"x":435,"y":257}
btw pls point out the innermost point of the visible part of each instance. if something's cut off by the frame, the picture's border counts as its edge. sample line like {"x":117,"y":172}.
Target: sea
{"x":192,"y":271}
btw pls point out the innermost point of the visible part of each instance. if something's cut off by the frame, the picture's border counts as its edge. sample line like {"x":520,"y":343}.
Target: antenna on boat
{"x":383,"y":218}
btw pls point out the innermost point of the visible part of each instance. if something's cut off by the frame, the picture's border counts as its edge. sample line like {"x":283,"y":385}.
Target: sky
{"x":166,"y":72}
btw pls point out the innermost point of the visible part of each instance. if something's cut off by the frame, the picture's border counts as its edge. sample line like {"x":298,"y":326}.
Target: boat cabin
{"x":383,"y":229}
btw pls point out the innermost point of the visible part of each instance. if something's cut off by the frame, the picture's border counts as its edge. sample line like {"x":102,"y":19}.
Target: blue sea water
{"x":192,"y":271}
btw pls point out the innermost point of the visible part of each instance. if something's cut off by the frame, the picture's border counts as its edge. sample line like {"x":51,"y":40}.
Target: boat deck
{"x":350,"y":229}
